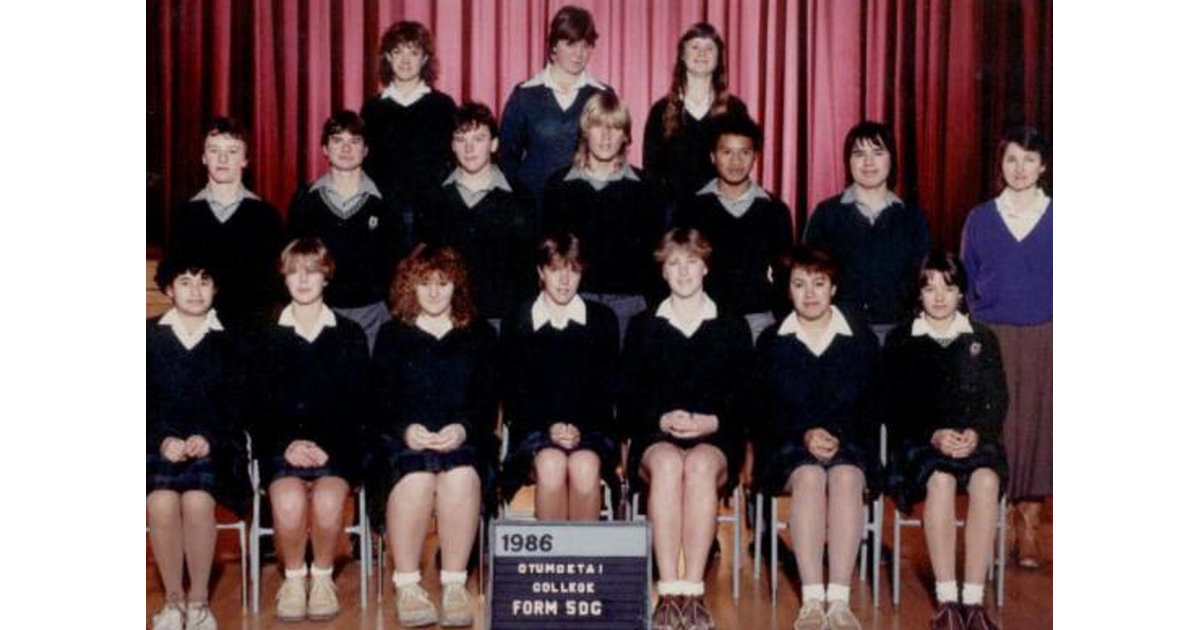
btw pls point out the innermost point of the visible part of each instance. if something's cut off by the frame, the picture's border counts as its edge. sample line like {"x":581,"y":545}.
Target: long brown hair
{"x":673,"y":114}
{"x":423,"y":263}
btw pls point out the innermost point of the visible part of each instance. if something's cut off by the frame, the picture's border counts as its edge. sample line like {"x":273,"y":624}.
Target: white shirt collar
{"x":498,"y":180}
{"x":190,"y":339}
{"x":708,"y":310}
{"x":625,"y":172}
{"x":1020,"y":224}
{"x":837,"y":326}
{"x":421,"y":90}
{"x":366,"y":186}
{"x":959,"y":325}
{"x":564,"y":97}
{"x":575,"y":312}
{"x":324,"y":319}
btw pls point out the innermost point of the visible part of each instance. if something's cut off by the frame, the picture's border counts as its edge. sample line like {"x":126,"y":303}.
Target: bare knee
{"x":941,"y":485}
{"x":162,"y":506}
{"x":846,"y":479}
{"x":703,"y":466}
{"x":289,"y":500}
{"x":418,"y":486}
{"x":584,"y":467}
{"x":808,"y":480}
{"x":329,"y":501}
{"x":550,"y":465}
{"x":985,"y":484}
{"x":459,"y":482}
{"x":665,"y":465}
{"x":198,"y":504}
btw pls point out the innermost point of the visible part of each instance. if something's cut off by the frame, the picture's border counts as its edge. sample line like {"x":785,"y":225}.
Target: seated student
{"x":477,"y":212}
{"x":435,"y":430}
{"x":817,"y":374}
{"x":238,"y":234}
{"x":312,"y":372}
{"x":617,"y":215}
{"x":195,"y":449}
{"x":876,"y":238}
{"x":559,"y":355}
{"x":749,"y":229}
{"x":948,"y":400}
{"x":682,"y":374}
{"x":364,"y":235}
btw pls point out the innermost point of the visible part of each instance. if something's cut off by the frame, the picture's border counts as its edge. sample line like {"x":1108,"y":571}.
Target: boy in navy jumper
{"x":234,"y":233}
{"x":749,"y":229}
{"x":345,"y":209}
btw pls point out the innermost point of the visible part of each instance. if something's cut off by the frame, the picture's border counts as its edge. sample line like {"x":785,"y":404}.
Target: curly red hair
{"x":422,"y":264}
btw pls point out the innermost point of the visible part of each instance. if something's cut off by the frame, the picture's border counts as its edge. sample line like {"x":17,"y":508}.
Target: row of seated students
{"x":415,"y":422}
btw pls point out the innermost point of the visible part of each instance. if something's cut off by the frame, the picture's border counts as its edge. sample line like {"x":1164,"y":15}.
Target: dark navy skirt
{"x":227,"y":481}
{"x":391,"y":464}
{"x":774,"y":469}
{"x":913,"y":465}
{"x":518,"y":466}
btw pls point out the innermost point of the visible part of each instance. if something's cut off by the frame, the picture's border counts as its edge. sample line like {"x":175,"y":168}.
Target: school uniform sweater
{"x":744,"y":248}
{"x":494,"y":237}
{"x":1009,"y":281}
{"x":551,"y":375}
{"x":618,"y":227}
{"x":408,"y":146}
{"x":318,"y":391}
{"x":682,"y":164}
{"x":538,"y":137}
{"x":242,"y":253}
{"x":878,"y":261}
{"x":366,"y":246}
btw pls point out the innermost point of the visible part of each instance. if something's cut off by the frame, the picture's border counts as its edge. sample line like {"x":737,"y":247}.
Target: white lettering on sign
{"x":534,"y":608}
{"x":553,"y":588}
{"x":552,"y":568}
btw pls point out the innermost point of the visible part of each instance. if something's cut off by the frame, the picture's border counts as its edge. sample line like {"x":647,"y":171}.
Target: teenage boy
{"x":346,"y":211}
{"x":748,"y":227}
{"x":234,"y":233}
{"x":477,"y":212}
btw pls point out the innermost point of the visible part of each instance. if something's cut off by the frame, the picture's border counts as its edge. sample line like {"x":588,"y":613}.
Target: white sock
{"x":946,"y":591}
{"x":838,"y":593}
{"x":406,"y":579}
{"x":316,"y":571}
{"x":811,"y":593}
{"x":678,"y":587}
{"x":972,"y":594}
{"x":294,"y":574}
{"x":454,"y":577}
{"x":695,"y":589}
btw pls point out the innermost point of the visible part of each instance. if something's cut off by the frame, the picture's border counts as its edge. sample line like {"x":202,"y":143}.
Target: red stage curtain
{"x":948,"y":76}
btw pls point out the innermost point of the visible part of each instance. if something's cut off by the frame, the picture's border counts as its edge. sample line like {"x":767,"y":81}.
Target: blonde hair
{"x":604,"y":109}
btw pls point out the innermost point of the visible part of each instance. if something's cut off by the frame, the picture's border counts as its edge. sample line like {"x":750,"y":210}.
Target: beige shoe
{"x":200,"y":617}
{"x":839,"y":617}
{"x":811,"y":617}
{"x":322,"y":598}
{"x":457,"y":611}
{"x":290,"y":604}
{"x":169,"y":618}
{"x":413,"y":607}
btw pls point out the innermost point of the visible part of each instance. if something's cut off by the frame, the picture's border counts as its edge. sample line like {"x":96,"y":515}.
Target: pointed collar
{"x":324,"y":320}
{"x":708,"y":310}
{"x":576,"y":312}
{"x":190,"y":339}
{"x":961,"y":324}
{"x":837,"y":326}
{"x":406,"y":100}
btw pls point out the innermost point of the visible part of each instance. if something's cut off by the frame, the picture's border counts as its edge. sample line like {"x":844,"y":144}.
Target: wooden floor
{"x":1028,"y":604}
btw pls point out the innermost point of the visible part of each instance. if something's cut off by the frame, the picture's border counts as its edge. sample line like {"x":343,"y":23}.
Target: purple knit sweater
{"x":1010,"y":281}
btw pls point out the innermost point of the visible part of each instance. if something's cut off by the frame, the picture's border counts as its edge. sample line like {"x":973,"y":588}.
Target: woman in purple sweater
{"x":1007,"y":250}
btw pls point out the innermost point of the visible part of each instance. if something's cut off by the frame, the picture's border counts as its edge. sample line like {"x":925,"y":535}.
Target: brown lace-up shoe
{"x":976,"y":618}
{"x":948,"y":617}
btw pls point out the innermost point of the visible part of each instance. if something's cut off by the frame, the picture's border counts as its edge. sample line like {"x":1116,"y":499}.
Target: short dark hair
{"x":735,"y":124}
{"x":559,"y":246}
{"x":345,"y":120}
{"x":171,"y":267}
{"x":950,"y":267}
{"x":872,"y":133}
{"x":1030,"y":139}
{"x":572,"y":24}
{"x":407,"y":32}
{"x":810,"y":260}
{"x":472,"y":114}
{"x":689,"y":240}
{"x":227,"y":126}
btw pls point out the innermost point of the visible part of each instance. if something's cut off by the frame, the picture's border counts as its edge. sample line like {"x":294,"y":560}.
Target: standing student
{"x":486,"y":220}
{"x":559,"y":356}
{"x":541,"y":117}
{"x":683,"y":370}
{"x":312,"y":372}
{"x":947,"y":403}
{"x":1008,"y":254}
{"x":876,"y":238}
{"x":346,"y":211}
{"x":195,"y":448}
{"x":678,"y":134}
{"x":817,"y":371}
{"x":434,"y":431}
{"x":748,"y":227}
{"x":235,"y":233}
{"x":408,"y":125}
{"x":616,"y":213}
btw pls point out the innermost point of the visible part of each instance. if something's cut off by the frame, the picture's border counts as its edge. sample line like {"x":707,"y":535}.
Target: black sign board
{"x":585,"y":576}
